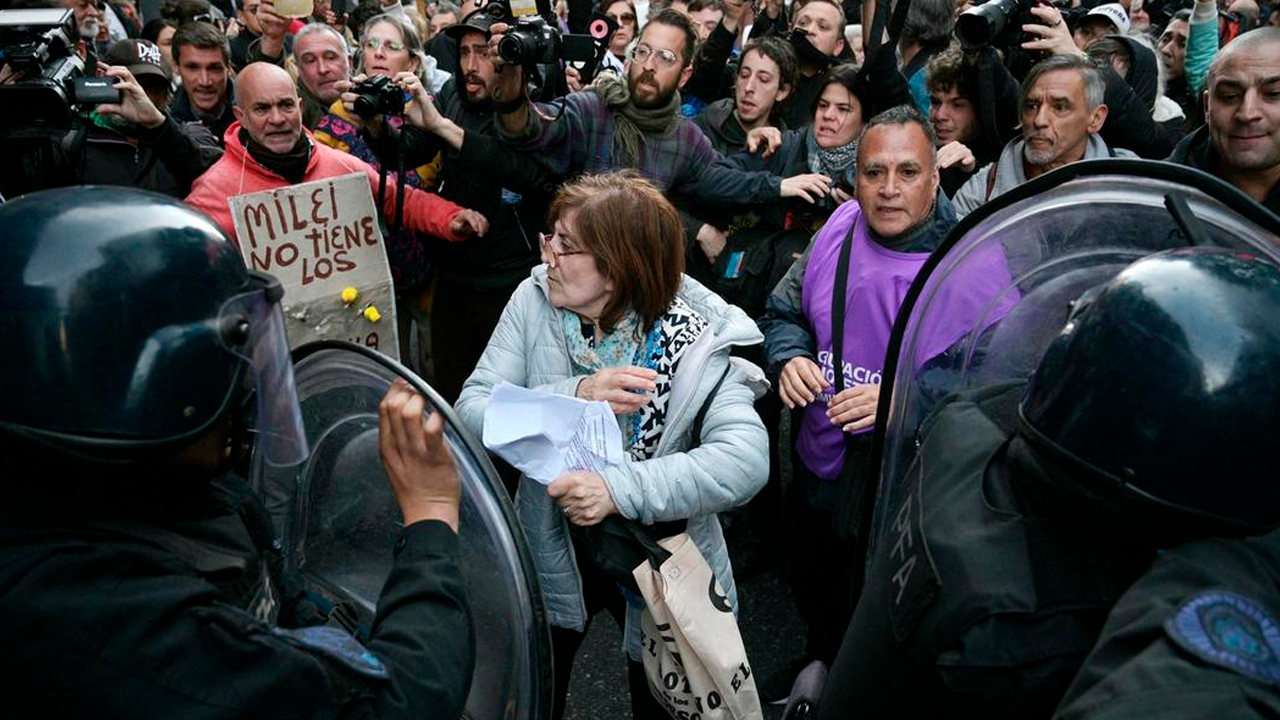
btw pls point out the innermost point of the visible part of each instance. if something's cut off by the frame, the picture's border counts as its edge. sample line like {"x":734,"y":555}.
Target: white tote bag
{"x":693,"y":654}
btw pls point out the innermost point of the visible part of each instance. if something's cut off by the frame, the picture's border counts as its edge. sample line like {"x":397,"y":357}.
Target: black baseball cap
{"x":141,"y":57}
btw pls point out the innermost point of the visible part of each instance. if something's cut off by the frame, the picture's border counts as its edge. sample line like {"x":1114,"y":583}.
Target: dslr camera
{"x":533,"y":41}
{"x":999,"y":23}
{"x":378,"y":95}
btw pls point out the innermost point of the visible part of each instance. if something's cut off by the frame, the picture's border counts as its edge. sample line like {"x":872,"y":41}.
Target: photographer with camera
{"x":134,"y":142}
{"x":473,"y":279}
{"x":636,"y":123}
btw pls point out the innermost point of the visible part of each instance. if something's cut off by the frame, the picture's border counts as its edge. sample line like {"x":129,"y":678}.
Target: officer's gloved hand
{"x":802,"y":704}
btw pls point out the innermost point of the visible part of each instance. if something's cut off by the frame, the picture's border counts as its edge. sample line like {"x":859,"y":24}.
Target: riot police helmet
{"x":1162,"y":391}
{"x":132,"y":329}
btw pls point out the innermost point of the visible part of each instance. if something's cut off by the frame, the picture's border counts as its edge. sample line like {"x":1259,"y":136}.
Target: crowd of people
{"x":712,"y":231}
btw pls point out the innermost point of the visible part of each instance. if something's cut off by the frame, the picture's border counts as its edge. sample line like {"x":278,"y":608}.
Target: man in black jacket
{"x":139,"y":574}
{"x":135,"y":143}
{"x":1241,"y":142}
{"x":203,"y":57}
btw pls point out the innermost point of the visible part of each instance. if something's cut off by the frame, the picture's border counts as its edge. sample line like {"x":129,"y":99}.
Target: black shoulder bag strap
{"x":847,"y":513}
{"x":838,"y":302}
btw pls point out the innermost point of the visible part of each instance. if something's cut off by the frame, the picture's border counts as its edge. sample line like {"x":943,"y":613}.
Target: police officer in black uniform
{"x":1030,"y":508}
{"x":1197,"y":636}
{"x":139,"y":576}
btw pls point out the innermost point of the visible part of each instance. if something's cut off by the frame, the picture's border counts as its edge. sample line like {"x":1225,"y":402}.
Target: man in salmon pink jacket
{"x":267,"y":148}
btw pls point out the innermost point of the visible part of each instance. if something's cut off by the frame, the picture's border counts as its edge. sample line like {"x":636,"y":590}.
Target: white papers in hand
{"x":546,"y":435}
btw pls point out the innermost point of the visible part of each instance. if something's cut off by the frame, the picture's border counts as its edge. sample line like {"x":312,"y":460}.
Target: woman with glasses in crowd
{"x":610,"y":317}
{"x":389,"y":49}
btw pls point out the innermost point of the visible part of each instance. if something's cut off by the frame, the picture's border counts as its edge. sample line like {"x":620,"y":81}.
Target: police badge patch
{"x":1230,"y":631}
{"x":339,"y":645}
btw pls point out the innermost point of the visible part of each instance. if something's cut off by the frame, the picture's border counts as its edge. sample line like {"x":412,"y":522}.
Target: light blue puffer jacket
{"x":726,"y":469}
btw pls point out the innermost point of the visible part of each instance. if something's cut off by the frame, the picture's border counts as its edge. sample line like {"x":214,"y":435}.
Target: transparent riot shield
{"x":339,"y":522}
{"x":1036,"y":250}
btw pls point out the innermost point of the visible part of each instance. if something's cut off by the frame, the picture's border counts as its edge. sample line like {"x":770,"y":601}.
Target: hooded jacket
{"x":237,"y":173}
{"x":1009,"y":173}
{"x":1130,"y":103}
{"x":688,"y":478}
{"x":722,"y":128}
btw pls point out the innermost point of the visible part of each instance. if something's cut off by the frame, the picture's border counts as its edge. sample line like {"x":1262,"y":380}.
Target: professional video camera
{"x":42,"y":73}
{"x":378,"y":95}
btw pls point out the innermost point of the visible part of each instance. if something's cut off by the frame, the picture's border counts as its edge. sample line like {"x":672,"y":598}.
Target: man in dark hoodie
{"x":766,"y":76}
{"x":475,"y":280}
{"x":818,"y":40}
{"x":1241,"y":141}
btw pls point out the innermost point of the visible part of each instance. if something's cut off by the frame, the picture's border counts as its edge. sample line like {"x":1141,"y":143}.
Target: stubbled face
{"x":269,"y":110}
{"x":322,"y":61}
{"x":574,"y":280}
{"x":623,"y":14}
{"x":654,"y":80}
{"x":821,"y":22}
{"x":838,"y":119}
{"x":706,"y":21}
{"x":476,"y":66}
{"x":1173,"y":47}
{"x":383,"y":51}
{"x":1056,"y":122}
{"x":1243,"y":109}
{"x":897,"y":178}
{"x":953,"y":116}
{"x":204,"y":78}
{"x":758,"y":88}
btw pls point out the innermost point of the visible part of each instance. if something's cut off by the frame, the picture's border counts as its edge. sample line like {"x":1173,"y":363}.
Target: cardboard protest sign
{"x":323,"y":242}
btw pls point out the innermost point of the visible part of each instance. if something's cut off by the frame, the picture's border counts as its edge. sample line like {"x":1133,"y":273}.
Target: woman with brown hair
{"x":610,"y":316}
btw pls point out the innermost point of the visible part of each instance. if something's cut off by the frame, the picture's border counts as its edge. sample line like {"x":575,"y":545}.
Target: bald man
{"x":268,"y":148}
{"x":1241,"y":141}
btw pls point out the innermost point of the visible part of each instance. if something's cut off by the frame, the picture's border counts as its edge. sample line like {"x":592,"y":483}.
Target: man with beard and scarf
{"x":134,"y":142}
{"x":475,"y":278}
{"x":897,"y":219}
{"x":637,"y":124}
{"x":268,"y":148}
{"x":1062,"y":111}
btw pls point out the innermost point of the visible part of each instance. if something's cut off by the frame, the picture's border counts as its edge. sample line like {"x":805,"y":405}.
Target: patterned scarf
{"x":833,"y":162}
{"x":658,"y":349}
{"x":630,"y":123}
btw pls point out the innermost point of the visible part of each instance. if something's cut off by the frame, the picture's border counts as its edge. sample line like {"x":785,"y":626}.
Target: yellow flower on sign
{"x":349,"y":295}
{"x":371,"y":314}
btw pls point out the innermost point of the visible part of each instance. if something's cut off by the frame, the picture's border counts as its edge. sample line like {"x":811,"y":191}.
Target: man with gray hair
{"x":320,"y":52}
{"x":1062,"y":111}
{"x":1241,"y":141}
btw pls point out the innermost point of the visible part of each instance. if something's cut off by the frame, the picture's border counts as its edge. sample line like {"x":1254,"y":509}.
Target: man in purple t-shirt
{"x":897,"y":219}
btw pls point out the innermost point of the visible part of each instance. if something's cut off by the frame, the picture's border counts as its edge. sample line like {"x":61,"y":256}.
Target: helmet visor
{"x":253,"y":329}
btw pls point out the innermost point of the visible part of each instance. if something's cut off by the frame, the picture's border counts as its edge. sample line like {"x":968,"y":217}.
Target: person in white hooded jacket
{"x":610,"y":316}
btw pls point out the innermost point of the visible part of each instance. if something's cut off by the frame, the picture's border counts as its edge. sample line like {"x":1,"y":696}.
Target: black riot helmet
{"x":1162,"y":392}
{"x":132,"y":329}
